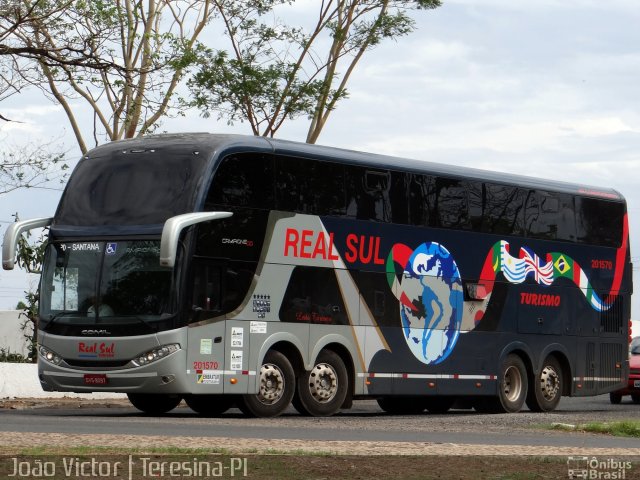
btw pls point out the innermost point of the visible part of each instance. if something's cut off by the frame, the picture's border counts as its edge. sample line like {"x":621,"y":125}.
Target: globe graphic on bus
{"x":432,"y":311}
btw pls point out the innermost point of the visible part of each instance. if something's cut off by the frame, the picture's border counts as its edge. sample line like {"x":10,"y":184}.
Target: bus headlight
{"x":154,"y":355}
{"x":49,"y":355}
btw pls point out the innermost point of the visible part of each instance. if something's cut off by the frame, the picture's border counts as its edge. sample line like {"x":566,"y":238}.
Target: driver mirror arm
{"x":12,"y":235}
{"x":173,"y":228}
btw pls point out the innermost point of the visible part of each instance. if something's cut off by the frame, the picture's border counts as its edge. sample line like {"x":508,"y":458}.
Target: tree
{"x":122,"y":58}
{"x":31,"y":167}
{"x":274,"y":72}
{"x":30,"y":257}
{"x":16,"y":15}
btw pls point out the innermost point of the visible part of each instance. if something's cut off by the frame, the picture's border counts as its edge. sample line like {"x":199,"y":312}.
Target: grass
{"x":624,"y":428}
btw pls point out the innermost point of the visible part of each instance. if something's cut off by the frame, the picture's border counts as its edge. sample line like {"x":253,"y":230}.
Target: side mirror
{"x":12,"y":235}
{"x":174,"y":226}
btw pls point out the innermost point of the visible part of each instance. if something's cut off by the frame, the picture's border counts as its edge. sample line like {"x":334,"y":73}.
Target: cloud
{"x":546,"y":4}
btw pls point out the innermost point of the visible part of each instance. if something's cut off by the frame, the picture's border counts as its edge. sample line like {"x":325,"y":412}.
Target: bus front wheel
{"x":154,"y":404}
{"x":322,"y":390}
{"x":547,"y":387}
{"x":276,"y":388}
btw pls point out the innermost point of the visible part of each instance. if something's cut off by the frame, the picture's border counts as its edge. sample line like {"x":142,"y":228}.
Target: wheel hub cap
{"x":271,"y":384}
{"x":323,"y":383}
{"x":549,"y":383}
{"x":512,"y":384}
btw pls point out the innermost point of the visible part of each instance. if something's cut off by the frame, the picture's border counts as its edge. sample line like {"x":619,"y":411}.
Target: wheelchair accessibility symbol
{"x":111,"y":249}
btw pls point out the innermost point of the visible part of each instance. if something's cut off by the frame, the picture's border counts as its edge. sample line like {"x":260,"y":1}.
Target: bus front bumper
{"x":164,"y":376}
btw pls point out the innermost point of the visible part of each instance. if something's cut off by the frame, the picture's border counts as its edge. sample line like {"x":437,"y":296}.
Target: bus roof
{"x":215,"y":145}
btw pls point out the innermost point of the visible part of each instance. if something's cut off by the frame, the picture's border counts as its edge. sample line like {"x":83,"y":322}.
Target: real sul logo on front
{"x":96,"y":350}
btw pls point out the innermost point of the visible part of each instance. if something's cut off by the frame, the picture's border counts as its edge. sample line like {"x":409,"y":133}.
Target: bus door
{"x":207,"y":330}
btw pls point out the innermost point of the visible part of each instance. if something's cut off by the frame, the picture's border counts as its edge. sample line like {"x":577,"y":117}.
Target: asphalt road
{"x":364,"y":422}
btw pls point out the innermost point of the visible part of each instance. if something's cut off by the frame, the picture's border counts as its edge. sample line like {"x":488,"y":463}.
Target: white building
{"x":11,"y":335}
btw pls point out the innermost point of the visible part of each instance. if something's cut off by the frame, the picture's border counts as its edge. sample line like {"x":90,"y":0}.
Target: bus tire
{"x":154,"y":404}
{"x":512,"y":388}
{"x":209,"y":405}
{"x":546,"y":390}
{"x":615,"y":398}
{"x":276,"y":388}
{"x":635,"y":398}
{"x":402,"y":405}
{"x":322,"y":390}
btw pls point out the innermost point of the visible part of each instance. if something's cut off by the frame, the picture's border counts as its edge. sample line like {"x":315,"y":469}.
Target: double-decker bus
{"x":232,"y":270}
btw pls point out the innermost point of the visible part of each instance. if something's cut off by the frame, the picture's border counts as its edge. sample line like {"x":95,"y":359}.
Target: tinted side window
{"x":243,"y":180}
{"x":452,"y":204}
{"x":399,"y":196}
{"x":599,"y":222}
{"x":540,"y":216}
{"x":422,"y":196}
{"x":218,"y":287}
{"x":550,"y":216}
{"x":368,"y":194}
{"x":496,"y":208}
{"x":313,"y":296}
{"x":566,"y":218}
{"x":310,"y":186}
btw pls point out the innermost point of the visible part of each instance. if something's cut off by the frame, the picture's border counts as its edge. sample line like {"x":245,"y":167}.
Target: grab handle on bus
{"x":174,"y":226}
{"x":12,"y":235}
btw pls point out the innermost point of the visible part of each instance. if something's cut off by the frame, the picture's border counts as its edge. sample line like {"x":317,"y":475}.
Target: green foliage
{"x":29,"y":325}
{"x":30,"y":167}
{"x":623,"y":428}
{"x":241,"y":89}
{"x":30,"y":257}
{"x":7,"y":357}
{"x":272,"y":71}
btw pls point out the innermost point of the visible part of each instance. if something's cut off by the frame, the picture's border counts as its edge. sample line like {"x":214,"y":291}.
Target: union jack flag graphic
{"x":542,"y":272}
{"x":516,"y":270}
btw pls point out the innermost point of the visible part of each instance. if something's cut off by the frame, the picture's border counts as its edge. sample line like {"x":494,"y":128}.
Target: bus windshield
{"x":106,"y":283}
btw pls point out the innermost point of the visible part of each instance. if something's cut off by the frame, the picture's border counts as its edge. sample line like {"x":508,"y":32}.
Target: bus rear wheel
{"x":276,"y":388}
{"x":153,"y":404}
{"x":512,"y":388}
{"x":322,"y":390}
{"x":209,"y":405}
{"x":547,"y":387}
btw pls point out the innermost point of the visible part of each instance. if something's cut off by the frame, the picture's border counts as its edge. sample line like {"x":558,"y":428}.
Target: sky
{"x":546,"y":88}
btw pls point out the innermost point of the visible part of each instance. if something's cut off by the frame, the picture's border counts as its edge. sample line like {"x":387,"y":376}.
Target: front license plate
{"x":636,"y":383}
{"x":95,"y":379}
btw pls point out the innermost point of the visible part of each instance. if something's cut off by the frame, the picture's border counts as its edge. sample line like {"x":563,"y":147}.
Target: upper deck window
{"x":243,"y":180}
{"x":131,"y":187}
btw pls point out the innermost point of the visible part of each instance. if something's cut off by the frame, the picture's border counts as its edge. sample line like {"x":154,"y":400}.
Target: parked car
{"x":633,"y":387}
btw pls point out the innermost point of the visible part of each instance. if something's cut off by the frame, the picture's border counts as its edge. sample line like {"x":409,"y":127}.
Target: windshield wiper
{"x":144,"y":322}
{"x":63,"y":313}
